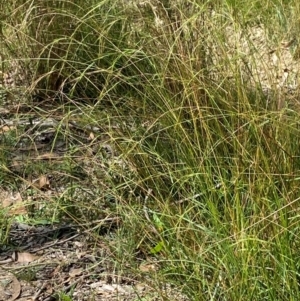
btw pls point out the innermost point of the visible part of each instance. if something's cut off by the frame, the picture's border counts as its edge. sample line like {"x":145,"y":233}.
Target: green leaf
{"x":158,"y":223}
{"x":157,"y":248}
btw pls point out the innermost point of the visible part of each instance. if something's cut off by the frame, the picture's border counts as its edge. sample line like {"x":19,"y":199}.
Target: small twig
{"x":99,"y":221}
{"x":66,"y":290}
{"x":6,"y":261}
{"x":39,"y":292}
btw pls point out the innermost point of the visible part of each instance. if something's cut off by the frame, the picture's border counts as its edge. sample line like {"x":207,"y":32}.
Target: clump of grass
{"x":205,"y":172}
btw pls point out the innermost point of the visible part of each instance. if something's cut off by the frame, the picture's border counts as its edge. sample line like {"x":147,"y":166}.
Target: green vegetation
{"x":205,"y":171}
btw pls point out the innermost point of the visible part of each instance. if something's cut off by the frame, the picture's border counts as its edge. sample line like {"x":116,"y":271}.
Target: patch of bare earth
{"x":42,"y":263}
{"x":261,"y":61}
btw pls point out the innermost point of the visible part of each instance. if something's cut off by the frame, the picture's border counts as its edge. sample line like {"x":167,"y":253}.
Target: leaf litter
{"x":65,"y":261}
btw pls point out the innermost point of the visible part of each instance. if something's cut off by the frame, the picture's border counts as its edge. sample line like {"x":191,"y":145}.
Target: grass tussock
{"x":205,"y":171}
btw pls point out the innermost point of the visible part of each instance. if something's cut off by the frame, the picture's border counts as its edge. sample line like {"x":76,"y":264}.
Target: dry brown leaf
{"x":2,"y":110}
{"x":78,"y":244}
{"x":16,"y":164}
{"x":91,"y":136}
{"x":7,"y":202}
{"x":44,"y":182}
{"x":6,"y":128}
{"x":148,"y":267}
{"x":56,"y":271}
{"x":19,"y":209}
{"x":10,"y":287}
{"x":11,"y":199}
{"x":16,"y":203}
{"x":24,"y":257}
{"x":80,"y":254}
{"x":75,"y":272}
{"x":41,"y":183}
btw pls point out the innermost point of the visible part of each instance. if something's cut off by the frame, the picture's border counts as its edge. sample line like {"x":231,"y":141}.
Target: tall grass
{"x":210,"y":168}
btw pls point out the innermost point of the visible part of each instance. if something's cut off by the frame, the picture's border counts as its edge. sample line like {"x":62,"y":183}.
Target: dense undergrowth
{"x":210,"y":163}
